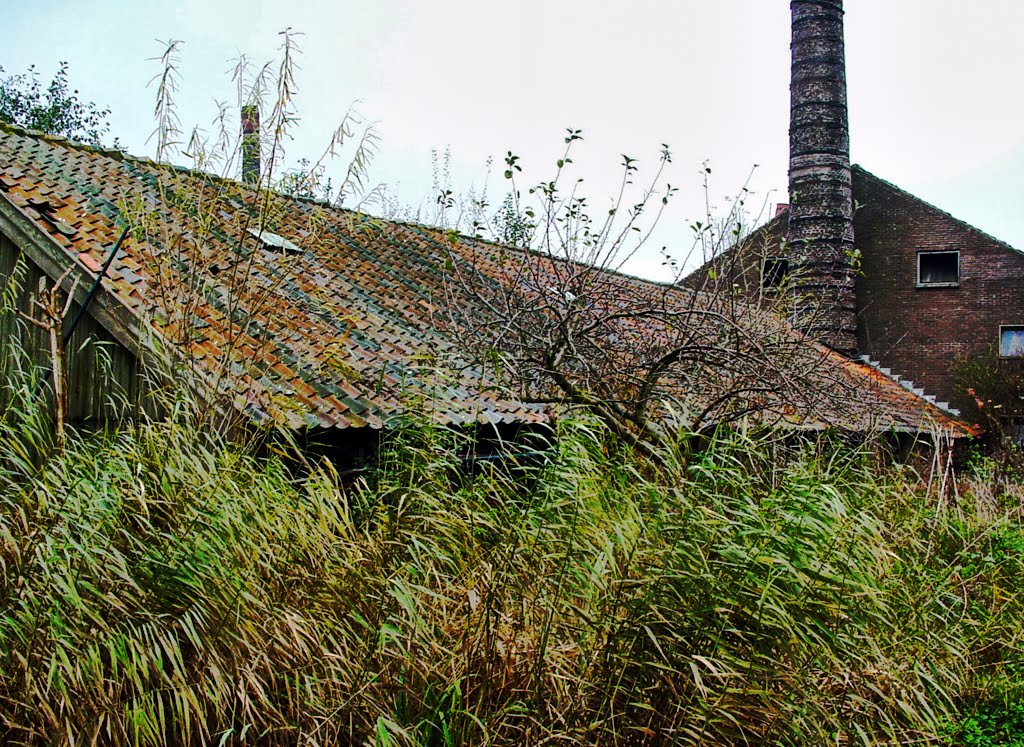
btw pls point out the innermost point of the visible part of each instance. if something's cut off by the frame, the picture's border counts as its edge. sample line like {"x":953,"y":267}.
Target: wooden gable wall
{"x":104,"y":381}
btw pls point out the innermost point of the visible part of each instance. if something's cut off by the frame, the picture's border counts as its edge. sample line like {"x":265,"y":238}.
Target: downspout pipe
{"x":70,"y":330}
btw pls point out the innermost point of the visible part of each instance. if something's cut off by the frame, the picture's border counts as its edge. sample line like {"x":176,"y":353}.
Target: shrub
{"x":162,"y":586}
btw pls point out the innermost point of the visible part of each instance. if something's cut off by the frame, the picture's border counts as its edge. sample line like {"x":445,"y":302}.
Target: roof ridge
{"x":125,"y":156}
{"x":440,"y":231}
{"x":106,"y":150}
{"x":119,"y":154}
{"x":960,"y":221}
{"x":759,"y":232}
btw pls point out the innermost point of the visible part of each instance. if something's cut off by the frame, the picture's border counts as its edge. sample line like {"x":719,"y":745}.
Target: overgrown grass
{"x":160,"y":586}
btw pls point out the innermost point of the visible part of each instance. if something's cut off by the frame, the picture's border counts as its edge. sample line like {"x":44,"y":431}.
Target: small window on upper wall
{"x":938,"y":268}
{"x":1011,"y":341}
{"x":774,"y":271}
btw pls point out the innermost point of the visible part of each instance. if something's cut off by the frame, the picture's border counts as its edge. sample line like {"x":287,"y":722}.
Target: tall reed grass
{"x":160,"y":586}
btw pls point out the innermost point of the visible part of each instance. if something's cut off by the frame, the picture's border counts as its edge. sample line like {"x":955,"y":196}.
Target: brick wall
{"x":919,"y":332}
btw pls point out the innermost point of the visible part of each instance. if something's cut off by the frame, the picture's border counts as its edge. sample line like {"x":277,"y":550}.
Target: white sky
{"x":936,"y":98}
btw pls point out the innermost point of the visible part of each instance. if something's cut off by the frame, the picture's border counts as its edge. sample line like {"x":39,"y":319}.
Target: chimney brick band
{"x":820,"y":238}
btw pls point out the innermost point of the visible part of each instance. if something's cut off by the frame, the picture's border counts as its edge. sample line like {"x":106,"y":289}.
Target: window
{"x":938,"y":269}
{"x":774,"y":271}
{"x":1011,"y":341}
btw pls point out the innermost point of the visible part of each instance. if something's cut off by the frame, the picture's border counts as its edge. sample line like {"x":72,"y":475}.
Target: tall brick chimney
{"x":250,"y":144}
{"x":820,"y":196}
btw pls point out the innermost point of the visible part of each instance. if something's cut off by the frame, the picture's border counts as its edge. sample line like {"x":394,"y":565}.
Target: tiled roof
{"x":315,"y":316}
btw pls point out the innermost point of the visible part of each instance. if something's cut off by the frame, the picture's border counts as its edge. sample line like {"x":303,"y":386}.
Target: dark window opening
{"x":774,"y":271}
{"x":1011,"y":341}
{"x":938,"y":268}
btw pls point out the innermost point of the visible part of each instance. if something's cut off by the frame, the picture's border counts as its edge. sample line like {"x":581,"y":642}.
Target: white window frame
{"x":938,"y":285}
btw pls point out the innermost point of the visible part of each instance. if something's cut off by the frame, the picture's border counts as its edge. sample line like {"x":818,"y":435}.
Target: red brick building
{"x":930,"y":288}
{"x":858,"y":263}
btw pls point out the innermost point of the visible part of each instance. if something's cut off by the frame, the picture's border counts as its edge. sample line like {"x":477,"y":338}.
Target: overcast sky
{"x":936,"y":94}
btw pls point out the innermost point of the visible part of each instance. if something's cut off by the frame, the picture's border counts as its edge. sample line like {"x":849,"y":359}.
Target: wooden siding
{"x":103,"y":378}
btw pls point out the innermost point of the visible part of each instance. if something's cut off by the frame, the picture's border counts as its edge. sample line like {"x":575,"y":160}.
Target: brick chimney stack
{"x":250,"y":144}
{"x":821,"y":206}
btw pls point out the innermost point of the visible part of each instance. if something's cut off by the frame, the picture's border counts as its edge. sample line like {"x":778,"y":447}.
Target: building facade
{"x":858,"y":263}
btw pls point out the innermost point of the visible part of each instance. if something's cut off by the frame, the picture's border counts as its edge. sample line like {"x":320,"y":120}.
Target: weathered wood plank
{"x":104,"y":380}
